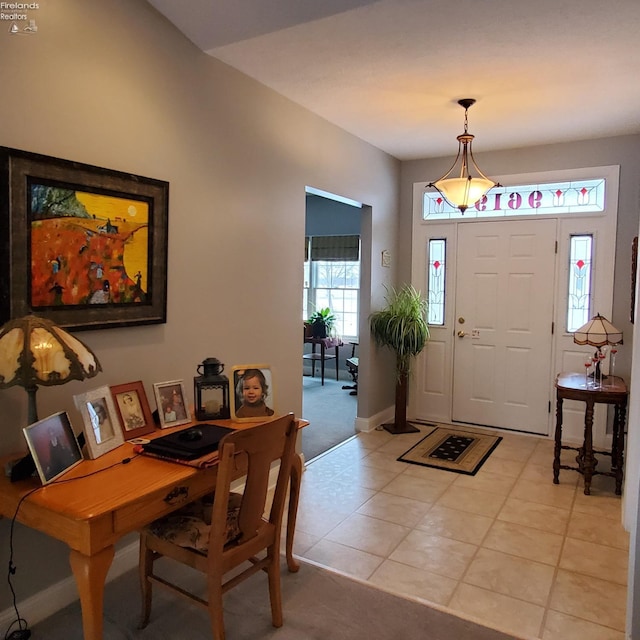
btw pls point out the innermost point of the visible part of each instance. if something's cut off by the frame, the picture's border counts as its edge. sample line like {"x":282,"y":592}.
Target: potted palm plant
{"x":401,"y":326}
{"x":322,"y":322}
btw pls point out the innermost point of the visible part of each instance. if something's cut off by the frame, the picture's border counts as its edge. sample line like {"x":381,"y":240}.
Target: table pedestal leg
{"x":90,"y":573}
{"x":294,"y":497}
{"x":589,"y":460}
{"x":557,"y":449}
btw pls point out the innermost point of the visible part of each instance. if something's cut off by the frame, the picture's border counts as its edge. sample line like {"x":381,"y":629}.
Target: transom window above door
{"x":554,"y":198}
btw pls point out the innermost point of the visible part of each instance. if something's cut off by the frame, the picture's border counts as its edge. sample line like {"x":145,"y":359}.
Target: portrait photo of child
{"x":252,"y":397}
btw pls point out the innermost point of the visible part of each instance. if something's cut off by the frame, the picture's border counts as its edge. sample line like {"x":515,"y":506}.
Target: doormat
{"x":456,"y":449}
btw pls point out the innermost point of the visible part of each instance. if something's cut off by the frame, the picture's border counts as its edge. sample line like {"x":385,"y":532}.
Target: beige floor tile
{"x":353,"y":562}
{"x":404,"y":511}
{"x":367,"y":477}
{"x":401,"y":443}
{"x":595,"y":560}
{"x":472,"y":501}
{"x":601,"y":506}
{"x":498,"y":611}
{"x":439,"y":555}
{"x":416,"y":488}
{"x":590,"y":599}
{"x":383,"y":461}
{"x":458,"y":525}
{"x":583,"y":526}
{"x":524,"y":542}
{"x":511,"y":576}
{"x":535,"y":515}
{"x":317,"y":521}
{"x":544,"y":474}
{"x":554,"y":495}
{"x":507,"y":451}
{"x":559,"y":626}
{"x":415,"y":583}
{"x":373,"y":439}
{"x":503,"y":467}
{"x":338,"y":494}
{"x":368,"y":534}
{"x":486,"y":481}
{"x":429,"y":473}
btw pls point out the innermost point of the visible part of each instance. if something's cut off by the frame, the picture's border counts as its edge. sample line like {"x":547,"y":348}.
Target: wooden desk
{"x":571,"y":386}
{"x":325,"y":343}
{"x":92,"y":512}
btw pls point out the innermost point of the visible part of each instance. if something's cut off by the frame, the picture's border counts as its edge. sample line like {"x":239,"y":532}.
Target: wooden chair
{"x":352,"y":367}
{"x":238,"y":529}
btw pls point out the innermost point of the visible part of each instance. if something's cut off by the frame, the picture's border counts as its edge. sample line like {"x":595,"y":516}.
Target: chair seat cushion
{"x":189,"y":527}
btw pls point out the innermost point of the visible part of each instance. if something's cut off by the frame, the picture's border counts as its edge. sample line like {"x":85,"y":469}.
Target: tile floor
{"x":505,"y":547}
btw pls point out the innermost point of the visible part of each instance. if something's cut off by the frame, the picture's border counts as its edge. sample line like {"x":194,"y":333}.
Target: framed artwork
{"x":171,"y":400}
{"x":102,"y":429}
{"x":81,"y":245}
{"x":634,"y":271}
{"x":252,"y":395}
{"x":53,"y":446}
{"x":133,"y":409}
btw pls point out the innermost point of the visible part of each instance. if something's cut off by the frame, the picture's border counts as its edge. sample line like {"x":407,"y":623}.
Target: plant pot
{"x":319,"y":330}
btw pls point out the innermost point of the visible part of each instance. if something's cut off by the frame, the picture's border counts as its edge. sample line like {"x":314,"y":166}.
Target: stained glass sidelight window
{"x":579,"y":294}
{"x":436,"y":280}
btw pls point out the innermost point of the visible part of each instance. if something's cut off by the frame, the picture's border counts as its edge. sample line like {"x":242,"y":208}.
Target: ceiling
{"x":391,"y":71}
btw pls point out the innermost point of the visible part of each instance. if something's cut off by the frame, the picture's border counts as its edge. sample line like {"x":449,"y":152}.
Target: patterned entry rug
{"x":458,"y":449}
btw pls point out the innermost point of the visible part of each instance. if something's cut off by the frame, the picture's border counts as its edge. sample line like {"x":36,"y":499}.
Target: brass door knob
{"x":461,"y":334}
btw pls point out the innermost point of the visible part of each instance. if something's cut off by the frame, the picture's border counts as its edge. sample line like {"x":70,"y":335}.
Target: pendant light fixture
{"x":461,"y":187}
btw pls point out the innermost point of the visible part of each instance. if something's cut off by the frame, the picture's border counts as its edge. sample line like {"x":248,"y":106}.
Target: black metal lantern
{"x":211,"y":391}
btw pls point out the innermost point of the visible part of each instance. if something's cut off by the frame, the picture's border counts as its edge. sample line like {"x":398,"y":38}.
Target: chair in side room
{"x":236,"y":531}
{"x":352,"y":368}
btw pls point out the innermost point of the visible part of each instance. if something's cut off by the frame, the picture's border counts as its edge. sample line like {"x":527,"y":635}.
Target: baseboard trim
{"x":372,"y":423}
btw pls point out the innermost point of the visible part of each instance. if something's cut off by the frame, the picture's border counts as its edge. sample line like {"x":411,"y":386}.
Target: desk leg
{"x":294,"y":498}
{"x":90,"y":573}
{"x":322,"y":353}
{"x":557,"y":449}
{"x":588,"y":459}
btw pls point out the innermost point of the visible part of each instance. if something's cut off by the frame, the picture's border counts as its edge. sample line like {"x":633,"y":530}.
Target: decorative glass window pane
{"x":436,"y":280}
{"x":573,"y":197}
{"x":579,"y":294}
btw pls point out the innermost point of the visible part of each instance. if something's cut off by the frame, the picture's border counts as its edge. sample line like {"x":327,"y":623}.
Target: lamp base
{"x":21,"y":469}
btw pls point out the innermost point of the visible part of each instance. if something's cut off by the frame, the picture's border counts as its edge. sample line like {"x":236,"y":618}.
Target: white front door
{"x":503,"y":323}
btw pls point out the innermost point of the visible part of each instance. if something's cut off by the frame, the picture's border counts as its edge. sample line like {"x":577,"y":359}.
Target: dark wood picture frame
{"x":81,"y":245}
{"x":634,"y":272}
{"x":133,"y":409}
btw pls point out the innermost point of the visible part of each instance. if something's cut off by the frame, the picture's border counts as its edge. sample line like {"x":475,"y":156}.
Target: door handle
{"x":461,"y":334}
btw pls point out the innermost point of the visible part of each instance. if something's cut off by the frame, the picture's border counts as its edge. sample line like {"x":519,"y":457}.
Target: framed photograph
{"x":53,"y":446}
{"x":171,"y":400}
{"x":252,"y":394}
{"x":81,"y":245}
{"x":133,"y":409}
{"x":102,"y":429}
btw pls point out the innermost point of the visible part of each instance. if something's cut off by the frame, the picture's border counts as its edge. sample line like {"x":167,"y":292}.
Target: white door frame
{"x":430,"y":395}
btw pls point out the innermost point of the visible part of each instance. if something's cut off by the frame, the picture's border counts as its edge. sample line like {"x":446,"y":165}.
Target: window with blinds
{"x":332,"y":279}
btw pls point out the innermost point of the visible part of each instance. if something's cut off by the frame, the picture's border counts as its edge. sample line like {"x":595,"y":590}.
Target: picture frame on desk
{"x":252,"y":397}
{"x":171,"y":401}
{"x":53,"y":446}
{"x":102,"y":430}
{"x":133,"y":409}
{"x":86,"y":246}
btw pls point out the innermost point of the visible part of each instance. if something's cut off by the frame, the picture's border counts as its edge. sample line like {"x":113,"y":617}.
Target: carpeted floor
{"x":331,"y":413}
{"x":317,"y":604}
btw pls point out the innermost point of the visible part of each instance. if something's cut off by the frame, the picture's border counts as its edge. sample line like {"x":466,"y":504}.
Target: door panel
{"x":504,"y":314}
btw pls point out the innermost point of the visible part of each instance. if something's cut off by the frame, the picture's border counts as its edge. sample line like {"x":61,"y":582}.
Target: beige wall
{"x":113,"y":84}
